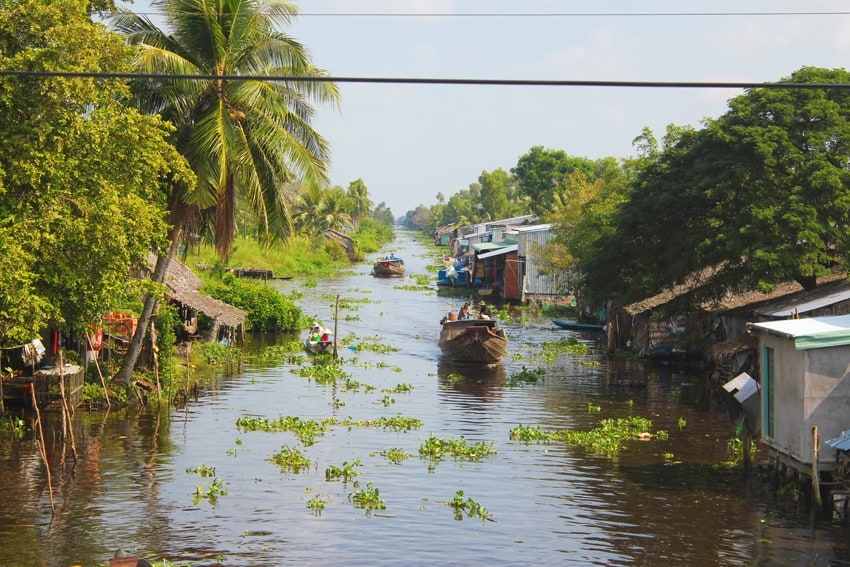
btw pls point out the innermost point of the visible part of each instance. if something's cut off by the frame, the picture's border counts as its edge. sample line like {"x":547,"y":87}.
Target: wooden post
{"x":336,"y":322}
{"x":815,"y":469}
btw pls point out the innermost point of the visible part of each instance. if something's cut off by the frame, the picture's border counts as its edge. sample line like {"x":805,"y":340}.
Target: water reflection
{"x":484,"y":382}
{"x":134,"y":484}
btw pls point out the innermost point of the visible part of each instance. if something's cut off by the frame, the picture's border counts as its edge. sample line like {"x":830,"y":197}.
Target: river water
{"x":137,"y":473}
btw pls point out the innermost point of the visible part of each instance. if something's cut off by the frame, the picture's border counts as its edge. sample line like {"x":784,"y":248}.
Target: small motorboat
{"x":389,"y":267}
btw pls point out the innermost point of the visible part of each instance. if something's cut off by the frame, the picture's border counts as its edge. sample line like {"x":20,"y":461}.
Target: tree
{"x":540,"y":171}
{"x":360,"y":204}
{"x":82,"y":177}
{"x":242,"y":137}
{"x":757,"y":197}
{"x":383,"y":214}
{"x":494,"y":192}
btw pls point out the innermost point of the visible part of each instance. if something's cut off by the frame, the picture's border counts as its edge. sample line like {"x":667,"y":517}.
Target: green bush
{"x":268,"y":310}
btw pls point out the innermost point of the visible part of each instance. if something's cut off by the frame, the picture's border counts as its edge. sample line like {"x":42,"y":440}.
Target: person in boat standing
{"x":463,"y":312}
{"x":484,"y":311}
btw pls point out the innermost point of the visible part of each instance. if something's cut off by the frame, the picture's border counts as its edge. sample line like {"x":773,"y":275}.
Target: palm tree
{"x":361,"y":205}
{"x":242,"y":137}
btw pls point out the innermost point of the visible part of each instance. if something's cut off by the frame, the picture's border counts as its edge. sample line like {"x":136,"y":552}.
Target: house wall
{"x":827,"y":397}
{"x":536,"y":284}
{"x":788,"y":385}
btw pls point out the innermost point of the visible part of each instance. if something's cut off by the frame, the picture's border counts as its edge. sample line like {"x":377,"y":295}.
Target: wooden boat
{"x":388,"y":268}
{"x":318,"y":346}
{"x":576,"y":326}
{"x":473,"y":341}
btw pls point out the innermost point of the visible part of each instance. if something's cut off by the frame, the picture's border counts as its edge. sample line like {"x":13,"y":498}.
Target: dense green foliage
{"x":81,"y":177}
{"x":757,"y":197}
{"x":268,"y":309}
{"x":244,"y":139}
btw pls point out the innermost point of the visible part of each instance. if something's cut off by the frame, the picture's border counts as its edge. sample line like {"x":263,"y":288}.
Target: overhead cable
{"x":428,"y":81}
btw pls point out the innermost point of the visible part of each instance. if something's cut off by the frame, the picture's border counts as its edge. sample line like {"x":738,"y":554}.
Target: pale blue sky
{"x":409,"y":142}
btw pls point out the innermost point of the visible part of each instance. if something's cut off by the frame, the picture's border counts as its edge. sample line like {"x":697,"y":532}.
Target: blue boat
{"x":576,"y":326}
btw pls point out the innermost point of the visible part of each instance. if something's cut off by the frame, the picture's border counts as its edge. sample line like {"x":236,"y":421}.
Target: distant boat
{"x":576,"y":326}
{"x":388,"y":268}
{"x":473,"y":341}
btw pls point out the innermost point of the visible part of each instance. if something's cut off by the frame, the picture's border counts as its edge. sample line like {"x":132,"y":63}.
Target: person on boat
{"x":315,"y":332}
{"x":325,"y":336}
{"x":484,"y":311}
{"x":463,"y":312}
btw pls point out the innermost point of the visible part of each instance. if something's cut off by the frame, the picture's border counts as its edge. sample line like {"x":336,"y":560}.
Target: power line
{"x":427,"y":81}
{"x":560,"y":14}
{"x":548,"y":14}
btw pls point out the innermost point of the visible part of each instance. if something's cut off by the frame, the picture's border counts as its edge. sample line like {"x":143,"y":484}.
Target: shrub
{"x":268,"y":310}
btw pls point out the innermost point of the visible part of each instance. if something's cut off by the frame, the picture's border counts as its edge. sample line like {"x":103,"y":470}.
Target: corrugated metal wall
{"x":535,"y":282}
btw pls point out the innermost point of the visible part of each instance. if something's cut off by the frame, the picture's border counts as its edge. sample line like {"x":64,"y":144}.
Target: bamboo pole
{"x":99,"y":373}
{"x":42,"y":449}
{"x":336,"y":323}
{"x":67,"y":425}
{"x":815,"y":469}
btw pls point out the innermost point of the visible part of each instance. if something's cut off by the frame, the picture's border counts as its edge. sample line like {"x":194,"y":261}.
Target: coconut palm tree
{"x":242,"y":137}
{"x":361,"y":205}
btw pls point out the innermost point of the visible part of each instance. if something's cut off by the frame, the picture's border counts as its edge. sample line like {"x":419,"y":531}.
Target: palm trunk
{"x":122,"y":377}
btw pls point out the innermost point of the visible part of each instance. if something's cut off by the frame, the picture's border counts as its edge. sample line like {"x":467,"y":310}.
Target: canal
{"x":195,"y":486}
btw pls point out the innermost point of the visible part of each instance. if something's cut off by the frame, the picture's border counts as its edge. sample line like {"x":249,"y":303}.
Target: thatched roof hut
{"x":183,"y":287}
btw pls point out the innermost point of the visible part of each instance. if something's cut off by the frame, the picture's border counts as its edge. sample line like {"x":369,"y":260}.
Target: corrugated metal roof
{"x":823,"y":296}
{"x":499,"y":252}
{"x":810,"y":332}
{"x":842,"y":442}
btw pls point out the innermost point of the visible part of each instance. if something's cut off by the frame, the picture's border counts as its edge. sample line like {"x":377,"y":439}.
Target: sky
{"x":409,"y":142}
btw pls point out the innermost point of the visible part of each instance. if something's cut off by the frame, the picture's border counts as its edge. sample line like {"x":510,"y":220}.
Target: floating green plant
{"x":368,"y":498}
{"x":525,"y":376}
{"x":387,"y":400}
{"x":591,"y":407}
{"x":396,"y":455}
{"x":682,"y":422}
{"x":316,"y":505}
{"x":396,"y":423}
{"x":322,"y":373}
{"x":305,"y":429}
{"x":399,"y":389}
{"x":454,"y":377}
{"x":437,"y":447}
{"x":202,"y":470}
{"x":346,"y":472}
{"x":606,"y":439}
{"x":369,"y":344}
{"x":210,"y":493}
{"x":469,"y":506}
{"x":290,"y":459}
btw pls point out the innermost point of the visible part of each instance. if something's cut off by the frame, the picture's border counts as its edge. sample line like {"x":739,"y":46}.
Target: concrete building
{"x":805,"y":384}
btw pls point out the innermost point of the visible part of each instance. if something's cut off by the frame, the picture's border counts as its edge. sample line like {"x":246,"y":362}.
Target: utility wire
{"x":426,"y":81}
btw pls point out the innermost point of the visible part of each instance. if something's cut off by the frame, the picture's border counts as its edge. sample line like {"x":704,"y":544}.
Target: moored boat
{"x":576,"y":326}
{"x":473,"y":341}
{"x":388,"y":267}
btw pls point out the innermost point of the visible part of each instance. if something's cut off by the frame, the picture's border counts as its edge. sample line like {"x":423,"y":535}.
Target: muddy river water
{"x":191,"y":486}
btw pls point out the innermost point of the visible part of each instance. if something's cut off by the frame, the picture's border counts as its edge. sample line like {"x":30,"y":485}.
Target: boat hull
{"x":388,"y":268}
{"x":318,"y":347}
{"x":576,"y":326}
{"x":473,"y":341}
